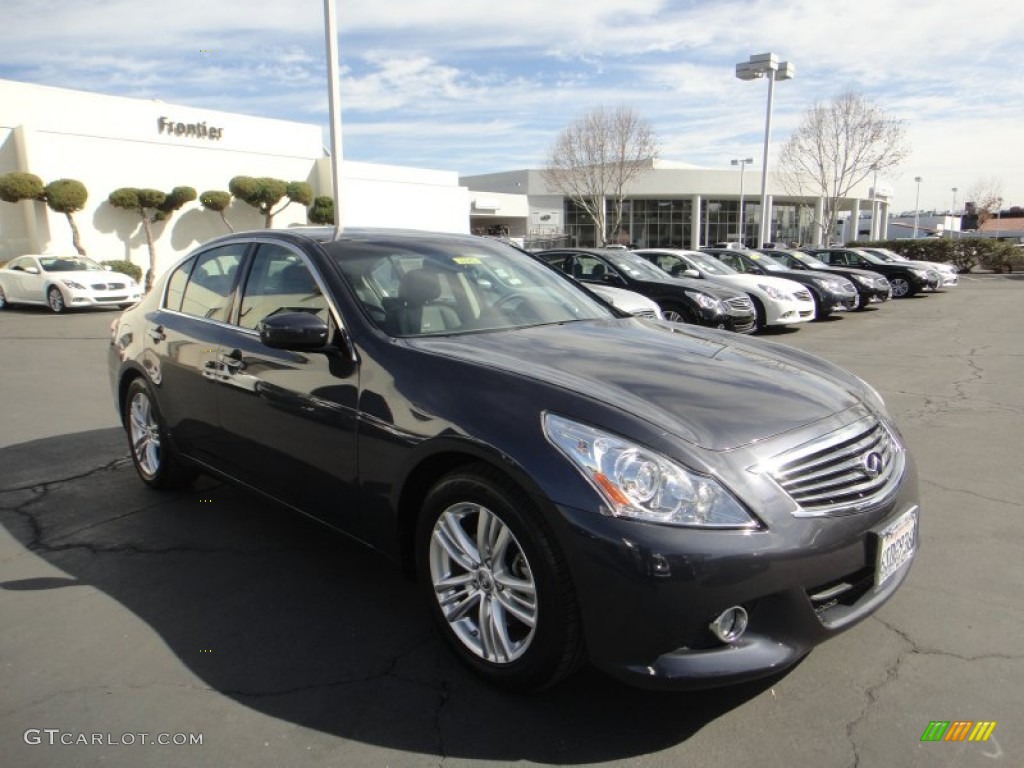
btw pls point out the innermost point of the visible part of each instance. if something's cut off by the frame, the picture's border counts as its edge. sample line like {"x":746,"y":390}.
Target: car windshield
{"x":766,"y":262}
{"x":810,"y":261}
{"x":68,"y":264}
{"x":636,"y":267}
{"x":442,"y":287}
{"x":869,"y":256}
{"x":710,"y":265}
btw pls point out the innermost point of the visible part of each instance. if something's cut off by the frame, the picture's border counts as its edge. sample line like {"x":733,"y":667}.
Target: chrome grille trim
{"x":830,"y":476}
{"x":740,"y":302}
{"x":803,"y":295}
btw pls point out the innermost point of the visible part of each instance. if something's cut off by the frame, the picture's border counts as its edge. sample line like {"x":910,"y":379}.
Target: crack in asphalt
{"x":912,"y":648}
{"x":45,"y":485}
{"x":974,"y":494}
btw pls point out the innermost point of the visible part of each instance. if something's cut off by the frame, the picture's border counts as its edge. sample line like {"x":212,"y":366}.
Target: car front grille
{"x":741,"y":303}
{"x":882,"y":283}
{"x":108,"y":286}
{"x":852,"y":469}
{"x":803,"y":295}
{"x":648,"y":313}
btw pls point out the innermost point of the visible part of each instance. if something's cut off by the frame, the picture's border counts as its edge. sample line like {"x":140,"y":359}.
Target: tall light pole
{"x":874,"y":203}
{"x":742,"y":163}
{"x":765,"y":65}
{"x":952,"y":212}
{"x":334,"y":106}
{"x":917,"y":204}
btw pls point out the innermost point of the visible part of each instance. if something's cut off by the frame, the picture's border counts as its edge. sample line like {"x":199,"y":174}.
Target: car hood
{"x":690,"y":284}
{"x":751,"y":283}
{"x":712,"y":389}
{"x":627,"y":301}
{"x":89,"y":276}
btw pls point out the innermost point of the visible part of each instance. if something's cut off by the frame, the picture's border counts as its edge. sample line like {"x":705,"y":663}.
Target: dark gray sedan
{"x":680,"y":506}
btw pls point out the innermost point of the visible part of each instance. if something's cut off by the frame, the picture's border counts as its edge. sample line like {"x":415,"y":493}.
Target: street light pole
{"x":917,"y":204}
{"x":742,"y":163}
{"x":952,"y":212}
{"x":758,"y":66}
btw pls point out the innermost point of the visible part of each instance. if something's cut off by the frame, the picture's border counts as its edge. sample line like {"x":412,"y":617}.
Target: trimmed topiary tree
{"x":264,"y":193}
{"x":322,"y":211}
{"x":68,"y":196}
{"x":151,"y":205}
{"x":65,"y":196}
{"x":218,"y":201}
{"x":125,"y":268}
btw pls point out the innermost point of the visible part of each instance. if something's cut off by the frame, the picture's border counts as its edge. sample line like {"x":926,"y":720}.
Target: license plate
{"x":896,"y":546}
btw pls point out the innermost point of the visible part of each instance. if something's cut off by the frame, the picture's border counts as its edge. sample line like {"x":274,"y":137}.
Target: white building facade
{"x":670,"y":204}
{"x":107,"y":142}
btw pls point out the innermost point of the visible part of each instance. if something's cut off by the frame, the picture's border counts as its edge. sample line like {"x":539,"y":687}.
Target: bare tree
{"x":986,"y":195}
{"x":594,"y":158}
{"x":835,"y":147}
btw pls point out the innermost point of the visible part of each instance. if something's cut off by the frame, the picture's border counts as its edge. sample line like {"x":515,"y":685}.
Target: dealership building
{"x":667,"y":204}
{"x":107,"y":142}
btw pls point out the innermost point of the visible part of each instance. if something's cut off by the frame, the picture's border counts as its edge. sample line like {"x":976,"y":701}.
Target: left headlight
{"x":638,"y":483}
{"x":74,"y":285}
{"x":708,"y":302}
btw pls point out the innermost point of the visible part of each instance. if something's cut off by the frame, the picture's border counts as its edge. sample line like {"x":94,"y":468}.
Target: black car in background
{"x":831,"y":293}
{"x":681,"y":300}
{"x":871,"y":287}
{"x":681,"y":506}
{"x":906,"y":278}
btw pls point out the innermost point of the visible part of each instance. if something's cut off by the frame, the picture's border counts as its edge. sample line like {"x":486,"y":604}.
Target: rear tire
{"x":150,"y":449}
{"x":497,"y":584}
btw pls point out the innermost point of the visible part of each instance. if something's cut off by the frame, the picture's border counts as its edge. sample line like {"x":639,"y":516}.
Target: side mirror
{"x":31,"y":270}
{"x":296,"y":331}
{"x":691,"y":273}
{"x":106,"y":268}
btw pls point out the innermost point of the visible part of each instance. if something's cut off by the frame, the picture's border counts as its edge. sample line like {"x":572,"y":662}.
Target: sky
{"x":486,"y":87}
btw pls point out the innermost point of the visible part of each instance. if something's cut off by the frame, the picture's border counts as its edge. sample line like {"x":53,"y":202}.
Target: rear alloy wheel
{"x":901,"y":287}
{"x":55,"y":299}
{"x":497,"y":585}
{"x":151,"y":452}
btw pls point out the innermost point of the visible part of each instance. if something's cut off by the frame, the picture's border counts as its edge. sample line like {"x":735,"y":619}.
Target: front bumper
{"x":88,"y":298}
{"x":738,"y":322}
{"x":838,"y":302}
{"x":649,"y":593}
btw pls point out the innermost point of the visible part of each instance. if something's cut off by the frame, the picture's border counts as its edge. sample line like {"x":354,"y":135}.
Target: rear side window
{"x":208,"y":291}
{"x":176,"y":285}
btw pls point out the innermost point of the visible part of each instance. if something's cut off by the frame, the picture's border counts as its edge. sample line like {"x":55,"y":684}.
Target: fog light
{"x":730,"y":625}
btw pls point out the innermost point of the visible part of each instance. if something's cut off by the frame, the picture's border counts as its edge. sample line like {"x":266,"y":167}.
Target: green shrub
{"x":125,"y":268}
{"x":964,"y":253}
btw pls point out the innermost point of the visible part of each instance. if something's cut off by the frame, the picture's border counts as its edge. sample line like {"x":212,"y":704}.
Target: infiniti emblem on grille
{"x":872,"y":464}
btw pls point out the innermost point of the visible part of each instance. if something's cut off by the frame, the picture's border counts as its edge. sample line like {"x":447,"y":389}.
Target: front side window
{"x":69,"y":264}
{"x":208,"y":292}
{"x":279,"y":281}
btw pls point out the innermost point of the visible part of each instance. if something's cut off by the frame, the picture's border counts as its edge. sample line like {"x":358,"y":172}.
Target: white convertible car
{"x":64,"y":282}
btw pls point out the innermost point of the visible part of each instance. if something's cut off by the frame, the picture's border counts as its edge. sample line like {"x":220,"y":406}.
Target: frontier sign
{"x":166,"y":126}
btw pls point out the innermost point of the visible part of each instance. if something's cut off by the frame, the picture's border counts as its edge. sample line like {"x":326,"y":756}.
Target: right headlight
{"x":709,"y":302}
{"x":638,"y":483}
{"x":774,"y":292}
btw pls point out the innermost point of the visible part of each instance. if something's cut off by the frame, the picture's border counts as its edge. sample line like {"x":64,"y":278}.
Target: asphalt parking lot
{"x":208,"y":612}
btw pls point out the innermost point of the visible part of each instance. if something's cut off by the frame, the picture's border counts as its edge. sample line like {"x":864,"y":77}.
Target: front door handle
{"x":157,"y":333}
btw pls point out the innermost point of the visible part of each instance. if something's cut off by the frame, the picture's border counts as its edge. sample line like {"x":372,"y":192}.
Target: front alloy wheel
{"x":901,"y":287}
{"x":497,"y":584}
{"x":55,"y":299}
{"x":3,"y":298}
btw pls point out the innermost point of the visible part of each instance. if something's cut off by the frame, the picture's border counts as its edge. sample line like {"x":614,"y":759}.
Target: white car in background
{"x":65,"y":282}
{"x":947,"y":272}
{"x":628,"y":301}
{"x":778,"y":301}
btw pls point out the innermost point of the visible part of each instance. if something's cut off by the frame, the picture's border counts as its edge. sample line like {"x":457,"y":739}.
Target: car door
{"x":288,"y":419}
{"x":183,"y":337}
{"x":29,"y":284}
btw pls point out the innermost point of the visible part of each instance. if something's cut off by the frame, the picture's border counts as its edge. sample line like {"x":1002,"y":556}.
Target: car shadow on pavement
{"x":280,"y":615}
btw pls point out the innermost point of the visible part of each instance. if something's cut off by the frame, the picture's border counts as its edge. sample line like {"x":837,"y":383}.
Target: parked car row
{"x":746,"y":290}
{"x":680,"y":506}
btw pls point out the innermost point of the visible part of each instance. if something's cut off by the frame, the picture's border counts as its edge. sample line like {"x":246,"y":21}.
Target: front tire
{"x":901,"y":288}
{"x":676,"y":314}
{"x":3,"y":298}
{"x":151,"y":451}
{"x":55,"y":300}
{"x":498,"y":587}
